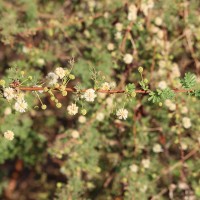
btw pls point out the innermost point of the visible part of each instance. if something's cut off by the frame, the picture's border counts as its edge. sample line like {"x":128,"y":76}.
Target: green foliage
{"x":189,"y":81}
{"x":161,"y":95}
{"x":138,"y":158}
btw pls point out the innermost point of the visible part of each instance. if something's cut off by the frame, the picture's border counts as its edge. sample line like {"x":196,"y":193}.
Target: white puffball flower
{"x":110,"y":46}
{"x":186,"y":122}
{"x":132,"y":12}
{"x":119,"y":26}
{"x":60,"y":72}
{"x":106,"y":15}
{"x":52,"y":78}
{"x":184,"y":146}
{"x":7,"y":111}
{"x":184,"y":110}
{"x":132,"y":16}
{"x":105,"y":86}
{"x":162,"y":85}
{"x":40,"y":61}
{"x":75,"y":134}
{"x":134,"y":168}
{"x":157,"y":148}
{"x":146,"y":5}
{"x":25,"y":49}
{"x":89,"y":95}
{"x":168,"y":102}
{"x":170,"y":105}
{"x":9,"y":93}
{"x":82,"y":119}
{"x":20,"y":96}
{"x":72,"y":109}
{"x":145,"y":163}
{"x":122,"y":113}
{"x":118,"y":35}
{"x":91,"y":4}
{"x":21,"y":106}
{"x":128,"y":58}
{"x":100,"y":116}
{"x":158,"y":21}
{"x":9,"y":135}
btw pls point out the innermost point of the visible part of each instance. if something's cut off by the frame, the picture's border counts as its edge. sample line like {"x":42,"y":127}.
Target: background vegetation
{"x":154,"y":154}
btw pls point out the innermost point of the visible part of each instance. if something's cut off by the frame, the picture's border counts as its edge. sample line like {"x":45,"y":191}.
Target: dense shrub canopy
{"x":99,"y":99}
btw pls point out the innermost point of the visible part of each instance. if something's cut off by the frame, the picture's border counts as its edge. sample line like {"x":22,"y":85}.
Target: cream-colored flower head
{"x":82,"y":119}
{"x":186,"y":122}
{"x":100,"y":117}
{"x":21,"y":106}
{"x":157,"y":148}
{"x":9,"y":93}
{"x":9,"y":135}
{"x":119,"y":26}
{"x":132,"y":12}
{"x":133,"y":168}
{"x":60,"y":72}
{"x":128,"y":58}
{"x":110,"y":46}
{"x":72,"y":109}
{"x":105,"y":86}
{"x":52,"y":78}
{"x":75,"y":134}
{"x":89,"y":95}
{"x":122,"y":113}
{"x":162,"y":85}
{"x":146,"y":163}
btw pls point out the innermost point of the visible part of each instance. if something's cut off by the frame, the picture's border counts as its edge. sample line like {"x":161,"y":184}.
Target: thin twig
{"x":99,"y":90}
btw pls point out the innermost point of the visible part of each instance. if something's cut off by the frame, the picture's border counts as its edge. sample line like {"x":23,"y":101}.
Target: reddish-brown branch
{"x":100,"y":91}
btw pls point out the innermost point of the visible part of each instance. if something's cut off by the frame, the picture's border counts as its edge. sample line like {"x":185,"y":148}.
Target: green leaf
{"x":167,"y":94}
{"x":130,"y":88}
{"x":161,"y":95}
{"x":188,"y":81}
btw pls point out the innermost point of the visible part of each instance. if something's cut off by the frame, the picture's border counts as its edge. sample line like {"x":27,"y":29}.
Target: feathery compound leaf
{"x":130,"y":88}
{"x":197,"y":94}
{"x":167,"y":94}
{"x":188,"y":81}
{"x":154,"y":97}
{"x":161,"y":95}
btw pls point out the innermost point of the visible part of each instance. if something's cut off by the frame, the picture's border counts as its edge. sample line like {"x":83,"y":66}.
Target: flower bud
{"x":58,"y":105}
{"x":83,"y":111}
{"x":71,"y":76}
{"x":140,"y":69}
{"x":67,"y":72}
{"x":62,"y":88}
{"x":133,"y":94}
{"x":57,"y":85}
{"x":52,"y":98}
{"x":22,"y":73}
{"x":46,"y":89}
{"x":64,"y":93}
{"x":44,"y":107}
{"x":2,"y":82}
